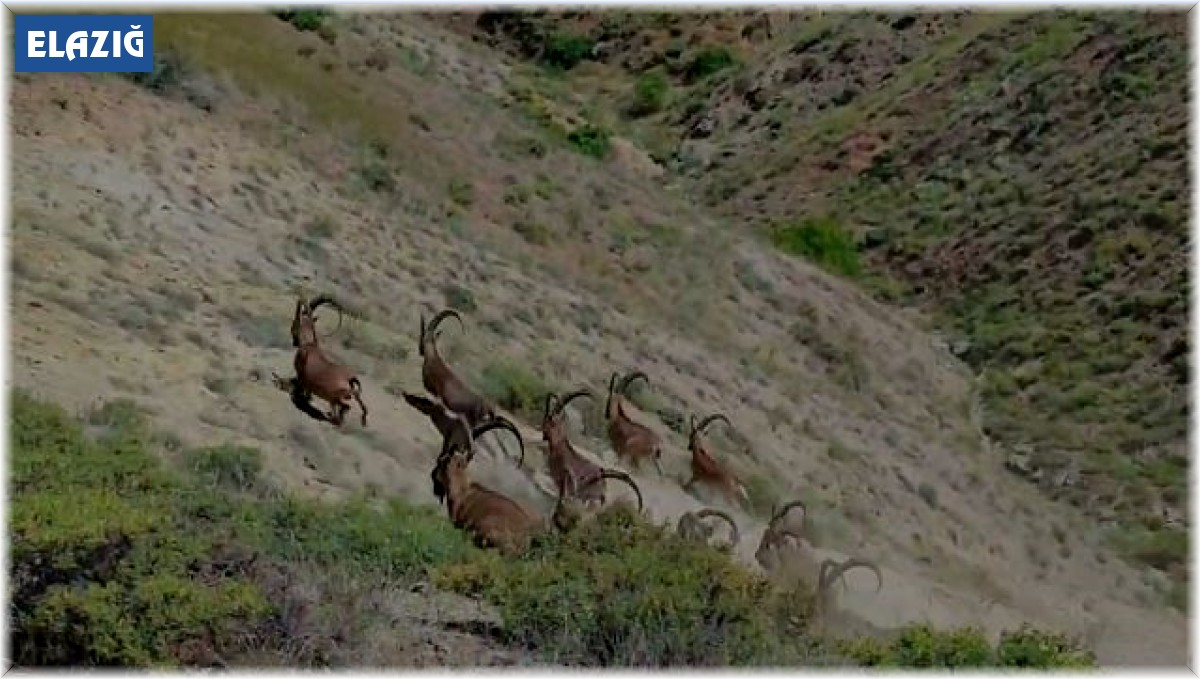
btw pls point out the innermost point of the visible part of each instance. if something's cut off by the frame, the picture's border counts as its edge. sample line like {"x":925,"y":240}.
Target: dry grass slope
{"x":162,"y":223}
{"x":1022,"y":176}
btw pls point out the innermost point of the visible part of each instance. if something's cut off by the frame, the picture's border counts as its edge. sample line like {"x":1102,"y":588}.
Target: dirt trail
{"x":157,"y":247}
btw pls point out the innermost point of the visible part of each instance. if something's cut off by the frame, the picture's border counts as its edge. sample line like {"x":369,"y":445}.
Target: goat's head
{"x":691,"y":526}
{"x":619,"y":386}
{"x":450,"y":475}
{"x":427,"y":343}
{"x":568,"y":511}
{"x":554,"y":419}
{"x":776,"y":530}
{"x":304,"y":320}
{"x":696,"y":429}
{"x":454,"y":429}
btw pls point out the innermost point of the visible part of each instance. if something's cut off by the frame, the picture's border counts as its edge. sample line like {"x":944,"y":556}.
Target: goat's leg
{"x":356,"y":392}
{"x":303,"y":401}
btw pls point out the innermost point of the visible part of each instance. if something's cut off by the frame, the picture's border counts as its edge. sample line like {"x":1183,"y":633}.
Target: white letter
{"x":77,"y":42}
{"x":55,"y":53}
{"x":99,"y":37}
{"x":36,"y":40}
{"x":116,"y":43}
{"x":133,"y":41}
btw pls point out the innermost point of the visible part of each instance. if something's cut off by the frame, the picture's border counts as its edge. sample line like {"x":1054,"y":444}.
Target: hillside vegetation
{"x":164,"y":223}
{"x":118,"y":561}
{"x":1022,"y":176}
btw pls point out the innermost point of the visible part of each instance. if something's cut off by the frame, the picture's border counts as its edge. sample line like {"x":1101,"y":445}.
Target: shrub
{"x":590,"y":141}
{"x":117,"y":561}
{"x":922,"y":646}
{"x":305,"y":19}
{"x":514,"y":388}
{"x":707,"y":62}
{"x":649,"y":94}
{"x":823,"y":241}
{"x":622,"y":592}
{"x":566,"y":50}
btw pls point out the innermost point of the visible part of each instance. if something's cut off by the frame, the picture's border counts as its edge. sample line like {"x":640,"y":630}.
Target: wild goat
{"x":491,"y":518}
{"x":449,"y":424}
{"x":442,"y":382}
{"x":706,"y":469}
{"x":316,"y":373}
{"x":574,"y":475}
{"x":631,"y":441}
{"x":691,"y":526}
{"x":785,"y":553}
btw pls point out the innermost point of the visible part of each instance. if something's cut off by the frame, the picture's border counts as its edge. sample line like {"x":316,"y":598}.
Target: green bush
{"x":513,"y":387}
{"x":566,"y":50}
{"x":621,"y":592}
{"x":305,"y":19}
{"x":922,"y":646}
{"x":116,"y":561}
{"x":649,"y":94}
{"x":707,"y":62}
{"x":823,"y":241}
{"x":590,"y":141}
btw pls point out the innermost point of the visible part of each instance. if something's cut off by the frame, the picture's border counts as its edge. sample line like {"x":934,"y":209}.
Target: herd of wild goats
{"x":494,"y":520}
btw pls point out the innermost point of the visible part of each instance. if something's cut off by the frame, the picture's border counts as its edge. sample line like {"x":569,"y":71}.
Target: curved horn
{"x":501,"y":422}
{"x":612,"y":384}
{"x":630,"y":379}
{"x":322,"y":299}
{"x":832,"y":570}
{"x":777,"y":516}
{"x":619,"y":476}
{"x":734,"y":535}
{"x":564,"y":401}
{"x":441,"y":316}
{"x":699,"y":427}
{"x":710,"y":419}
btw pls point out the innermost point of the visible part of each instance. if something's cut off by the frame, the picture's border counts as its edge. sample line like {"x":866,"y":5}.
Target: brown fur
{"x":575,"y":476}
{"x":449,"y":424}
{"x":441,"y":381}
{"x":492,"y":519}
{"x":632,"y":441}
{"x":706,"y":469}
{"x":316,"y":373}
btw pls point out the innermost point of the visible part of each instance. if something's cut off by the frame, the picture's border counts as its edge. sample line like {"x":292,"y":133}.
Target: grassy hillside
{"x":119,"y":560}
{"x":163,"y":224}
{"x":1021,"y":176}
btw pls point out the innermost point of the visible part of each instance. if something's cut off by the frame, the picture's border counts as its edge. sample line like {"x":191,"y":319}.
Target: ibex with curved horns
{"x":691,"y":526}
{"x":784,"y":551}
{"x":491,"y":518}
{"x":316,"y":373}
{"x":441,"y":381}
{"x":454,"y":428}
{"x":631,"y":441}
{"x":706,"y":469}
{"x":573,"y":474}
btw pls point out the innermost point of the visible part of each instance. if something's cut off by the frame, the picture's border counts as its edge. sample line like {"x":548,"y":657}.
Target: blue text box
{"x":83,"y":43}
